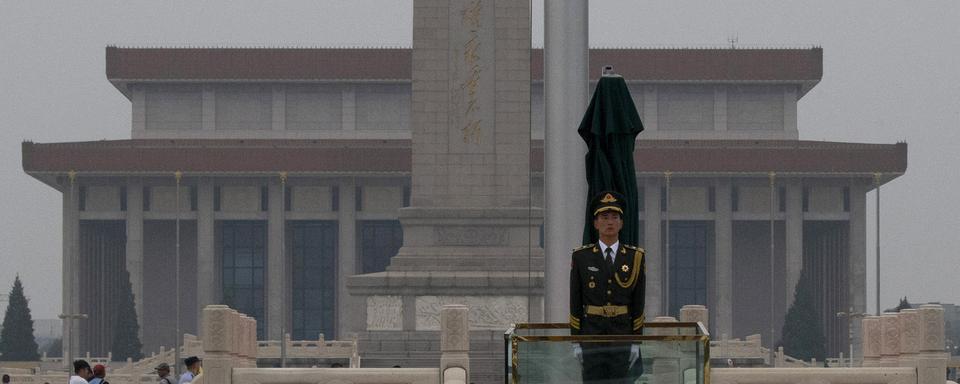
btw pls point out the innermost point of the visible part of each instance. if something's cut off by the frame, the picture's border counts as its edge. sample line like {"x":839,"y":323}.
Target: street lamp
{"x":69,"y":317}
{"x":850,"y":315}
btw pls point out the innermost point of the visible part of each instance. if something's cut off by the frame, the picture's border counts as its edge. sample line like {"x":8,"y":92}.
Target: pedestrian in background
{"x":99,"y":372}
{"x":81,"y":372}
{"x":193,"y":364}
{"x":163,"y":370}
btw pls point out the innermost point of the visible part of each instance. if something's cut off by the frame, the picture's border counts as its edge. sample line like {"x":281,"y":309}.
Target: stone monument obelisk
{"x":471,"y":236}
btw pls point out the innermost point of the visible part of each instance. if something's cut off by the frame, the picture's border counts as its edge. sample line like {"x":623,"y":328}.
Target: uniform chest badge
{"x":592,"y":285}
{"x":625,"y":268}
{"x":593,"y":269}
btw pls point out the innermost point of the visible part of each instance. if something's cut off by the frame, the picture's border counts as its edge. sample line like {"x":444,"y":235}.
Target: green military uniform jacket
{"x":594,"y":283}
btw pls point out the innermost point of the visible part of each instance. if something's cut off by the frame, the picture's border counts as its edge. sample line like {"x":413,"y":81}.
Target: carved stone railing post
{"x":252,"y":344}
{"x":871,"y":341}
{"x":454,"y":338}
{"x":909,"y":337}
{"x":666,"y":360}
{"x":890,"y":340}
{"x":692,"y":314}
{"x":218,"y":341}
{"x":695,"y":313}
{"x":932,"y":359}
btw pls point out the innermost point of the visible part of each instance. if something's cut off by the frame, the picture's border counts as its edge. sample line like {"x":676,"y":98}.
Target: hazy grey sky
{"x":891,"y":73}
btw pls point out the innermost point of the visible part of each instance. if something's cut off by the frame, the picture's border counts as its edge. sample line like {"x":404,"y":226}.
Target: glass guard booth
{"x":669,"y":353}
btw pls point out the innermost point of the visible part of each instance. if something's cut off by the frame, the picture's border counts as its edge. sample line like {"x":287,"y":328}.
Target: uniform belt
{"x":607,"y":310}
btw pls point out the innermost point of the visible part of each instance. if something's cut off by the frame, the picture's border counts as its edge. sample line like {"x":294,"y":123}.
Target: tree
{"x":904,"y":304}
{"x":802,"y":329}
{"x":126,"y":339}
{"x":16,"y":340}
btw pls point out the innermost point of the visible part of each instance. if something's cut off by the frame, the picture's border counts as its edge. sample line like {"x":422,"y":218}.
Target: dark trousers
{"x":607,"y":362}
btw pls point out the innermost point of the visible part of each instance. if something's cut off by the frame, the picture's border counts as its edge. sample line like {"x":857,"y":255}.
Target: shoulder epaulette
{"x":582,"y":247}
{"x":628,"y":246}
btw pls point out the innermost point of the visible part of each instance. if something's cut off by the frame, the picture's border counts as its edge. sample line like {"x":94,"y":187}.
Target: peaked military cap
{"x":607,"y":201}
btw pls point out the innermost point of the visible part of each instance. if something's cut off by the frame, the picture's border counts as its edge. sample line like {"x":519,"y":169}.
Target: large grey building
{"x":303,"y":158}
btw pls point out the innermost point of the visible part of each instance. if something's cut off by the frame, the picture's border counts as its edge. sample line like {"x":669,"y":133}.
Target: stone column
{"x":348,"y":108}
{"x":724,"y":234}
{"x":279,"y":115}
{"x":351,"y":318}
{"x":138,"y":100}
{"x":651,"y":235}
{"x":909,"y":337}
{"x":794,"y":236}
{"x":135,"y":243}
{"x":720,"y":108}
{"x":208,"y":112}
{"x":207,"y":277}
{"x":566,"y":94}
{"x":890,"y":339}
{"x":650,"y":107}
{"x":932,"y":360}
{"x":790,"y":111}
{"x":70,"y":274}
{"x":455,"y":337}
{"x":871,"y":341}
{"x":858,"y":253}
{"x":276,"y":295}
{"x":218,"y":334}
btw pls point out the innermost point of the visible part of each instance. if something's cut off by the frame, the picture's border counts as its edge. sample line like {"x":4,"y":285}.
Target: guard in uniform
{"x":607,"y":284}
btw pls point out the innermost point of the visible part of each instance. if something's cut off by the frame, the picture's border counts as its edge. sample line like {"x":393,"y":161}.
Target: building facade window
{"x":242,"y":246}
{"x":688,"y":264}
{"x":313,"y":255}
{"x":379,"y":241}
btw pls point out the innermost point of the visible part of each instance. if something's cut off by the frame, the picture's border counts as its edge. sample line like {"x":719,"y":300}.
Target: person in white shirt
{"x":81,"y":372}
{"x":193,"y":364}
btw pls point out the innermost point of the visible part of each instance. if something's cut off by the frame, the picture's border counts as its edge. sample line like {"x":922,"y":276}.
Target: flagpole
{"x":565,"y":62}
{"x":772,"y":175}
{"x":666,"y":258}
{"x":876,"y":182}
{"x":176,"y":343}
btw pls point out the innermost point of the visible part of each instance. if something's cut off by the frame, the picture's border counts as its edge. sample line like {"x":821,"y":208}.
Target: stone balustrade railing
{"x":318,"y":349}
{"x":229,"y":342}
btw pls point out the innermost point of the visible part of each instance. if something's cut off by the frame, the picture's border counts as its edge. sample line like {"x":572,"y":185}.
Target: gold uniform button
{"x":608,"y":292}
{"x":609,"y":281}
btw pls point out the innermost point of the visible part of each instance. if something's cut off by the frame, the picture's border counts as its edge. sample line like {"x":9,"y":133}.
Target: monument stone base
{"x":489,"y":260}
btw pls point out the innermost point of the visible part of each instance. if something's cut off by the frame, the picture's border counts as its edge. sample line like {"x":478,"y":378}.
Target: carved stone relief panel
{"x":486,"y":312}
{"x":384,"y":313}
